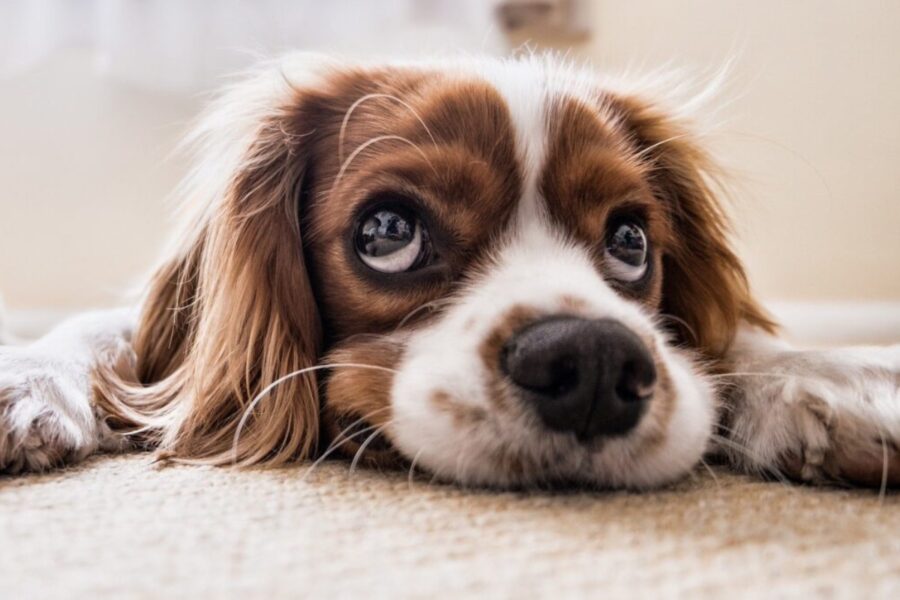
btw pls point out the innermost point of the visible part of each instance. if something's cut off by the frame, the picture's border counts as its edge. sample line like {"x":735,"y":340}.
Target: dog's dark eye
{"x":393,"y":240}
{"x":626,"y":252}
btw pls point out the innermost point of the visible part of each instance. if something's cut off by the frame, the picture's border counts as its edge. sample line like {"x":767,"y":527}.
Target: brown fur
{"x":492,"y":346}
{"x":592,"y":175}
{"x":468,"y":184}
{"x":356,"y":397}
{"x":223,"y":320}
{"x":704,"y":284}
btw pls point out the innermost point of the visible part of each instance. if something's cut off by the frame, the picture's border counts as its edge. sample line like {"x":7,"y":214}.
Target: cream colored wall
{"x":813,"y":130}
{"x":82,"y":180}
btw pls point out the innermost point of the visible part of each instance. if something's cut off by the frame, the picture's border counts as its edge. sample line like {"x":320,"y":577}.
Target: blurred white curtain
{"x":183,"y":45}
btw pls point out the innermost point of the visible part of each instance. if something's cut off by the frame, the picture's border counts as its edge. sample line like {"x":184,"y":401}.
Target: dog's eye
{"x":626,"y":252}
{"x":392,"y":240}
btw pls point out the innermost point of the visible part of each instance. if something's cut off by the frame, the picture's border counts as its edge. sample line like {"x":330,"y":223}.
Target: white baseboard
{"x":839,"y":323}
{"x":815,"y":323}
{"x":28,"y":324}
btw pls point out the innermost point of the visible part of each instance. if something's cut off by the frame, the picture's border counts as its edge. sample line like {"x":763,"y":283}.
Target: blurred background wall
{"x":811,"y":129}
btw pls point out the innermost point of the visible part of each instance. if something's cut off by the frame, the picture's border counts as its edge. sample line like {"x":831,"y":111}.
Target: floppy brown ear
{"x":233,"y":310}
{"x":704,"y":284}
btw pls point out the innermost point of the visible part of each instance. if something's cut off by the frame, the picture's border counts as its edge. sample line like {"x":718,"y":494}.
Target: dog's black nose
{"x":588,"y":377}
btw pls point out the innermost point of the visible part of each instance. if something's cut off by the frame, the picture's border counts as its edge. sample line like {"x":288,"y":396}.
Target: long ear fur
{"x":704,"y":284}
{"x":232,"y":311}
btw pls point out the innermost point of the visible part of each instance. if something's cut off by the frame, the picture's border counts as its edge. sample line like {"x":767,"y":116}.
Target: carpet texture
{"x":120,"y":527}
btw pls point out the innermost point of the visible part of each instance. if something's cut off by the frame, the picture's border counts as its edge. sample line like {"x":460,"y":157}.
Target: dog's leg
{"x":47,"y":417}
{"x":814,"y":415}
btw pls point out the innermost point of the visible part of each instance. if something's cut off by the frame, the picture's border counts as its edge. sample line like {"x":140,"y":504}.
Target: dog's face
{"x":505,"y":262}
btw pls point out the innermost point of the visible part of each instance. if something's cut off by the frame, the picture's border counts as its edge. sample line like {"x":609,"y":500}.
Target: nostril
{"x":637,"y":380}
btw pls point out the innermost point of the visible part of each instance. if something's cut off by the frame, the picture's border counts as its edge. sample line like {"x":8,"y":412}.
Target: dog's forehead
{"x":574,"y":155}
{"x":524,"y":100}
{"x":508,"y":115}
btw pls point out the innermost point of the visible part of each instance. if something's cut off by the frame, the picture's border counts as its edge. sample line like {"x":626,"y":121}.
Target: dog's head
{"x":512,"y":268}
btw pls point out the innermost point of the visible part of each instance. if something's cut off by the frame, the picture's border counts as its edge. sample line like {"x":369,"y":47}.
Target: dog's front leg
{"x":47,"y":416}
{"x":815,"y":415}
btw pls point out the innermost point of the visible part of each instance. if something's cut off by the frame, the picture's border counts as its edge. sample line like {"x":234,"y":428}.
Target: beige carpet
{"x":121,"y":527}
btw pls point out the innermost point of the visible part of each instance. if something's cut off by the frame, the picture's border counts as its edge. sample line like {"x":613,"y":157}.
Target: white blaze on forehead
{"x":524,"y":88}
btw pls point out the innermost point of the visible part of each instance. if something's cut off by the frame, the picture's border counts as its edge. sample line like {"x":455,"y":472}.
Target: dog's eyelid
{"x":634,"y":209}
{"x":389,"y":198}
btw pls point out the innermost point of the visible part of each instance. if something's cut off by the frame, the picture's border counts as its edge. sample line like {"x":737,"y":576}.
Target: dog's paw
{"x":46,"y":418}
{"x":818,"y":416}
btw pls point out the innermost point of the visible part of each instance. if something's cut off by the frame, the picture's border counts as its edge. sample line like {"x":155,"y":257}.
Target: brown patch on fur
{"x":573,"y":305}
{"x":360,"y":397}
{"x":462,"y":415}
{"x":513,"y":465}
{"x":590,"y":176}
{"x":704,"y":284}
{"x":492,"y":347}
{"x":864,"y":467}
{"x":459,"y":169}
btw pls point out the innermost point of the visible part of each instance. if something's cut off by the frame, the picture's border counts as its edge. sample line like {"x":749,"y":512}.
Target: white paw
{"x":818,"y":416}
{"x":46,"y":418}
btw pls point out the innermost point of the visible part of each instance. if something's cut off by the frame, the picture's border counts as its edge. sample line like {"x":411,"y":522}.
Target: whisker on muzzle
{"x":268,"y":389}
{"x":433,"y":305}
{"x":741,"y":449}
{"x":334,"y":446}
{"x":362,"y":448}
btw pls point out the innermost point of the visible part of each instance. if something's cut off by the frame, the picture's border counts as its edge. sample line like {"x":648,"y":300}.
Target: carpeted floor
{"x":120,"y":527}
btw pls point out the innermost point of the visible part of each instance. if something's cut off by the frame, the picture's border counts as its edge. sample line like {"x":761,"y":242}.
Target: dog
{"x":504,"y":273}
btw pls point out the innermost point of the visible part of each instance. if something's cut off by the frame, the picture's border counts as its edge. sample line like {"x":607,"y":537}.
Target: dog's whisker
{"x":885,"y":464}
{"x":362,"y":419}
{"x":434,"y":304}
{"x":344,"y":435}
{"x":770,"y":374}
{"x":412,"y":468}
{"x":333,"y":448}
{"x":680,"y":321}
{"x":640,"y":155}
{"x":248,"y":411}
{"x":741,"y":449}
{"x":362,"y":147}
{"x":711,"y":472}
{"x":355,"y":105}
{"x":362,"y":448}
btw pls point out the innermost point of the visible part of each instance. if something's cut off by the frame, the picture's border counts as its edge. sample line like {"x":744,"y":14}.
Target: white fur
{"x":814,"y":404}
{"x":46,"y":414}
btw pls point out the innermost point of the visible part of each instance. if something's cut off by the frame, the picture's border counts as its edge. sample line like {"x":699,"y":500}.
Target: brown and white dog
{"x":501,"y":272}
